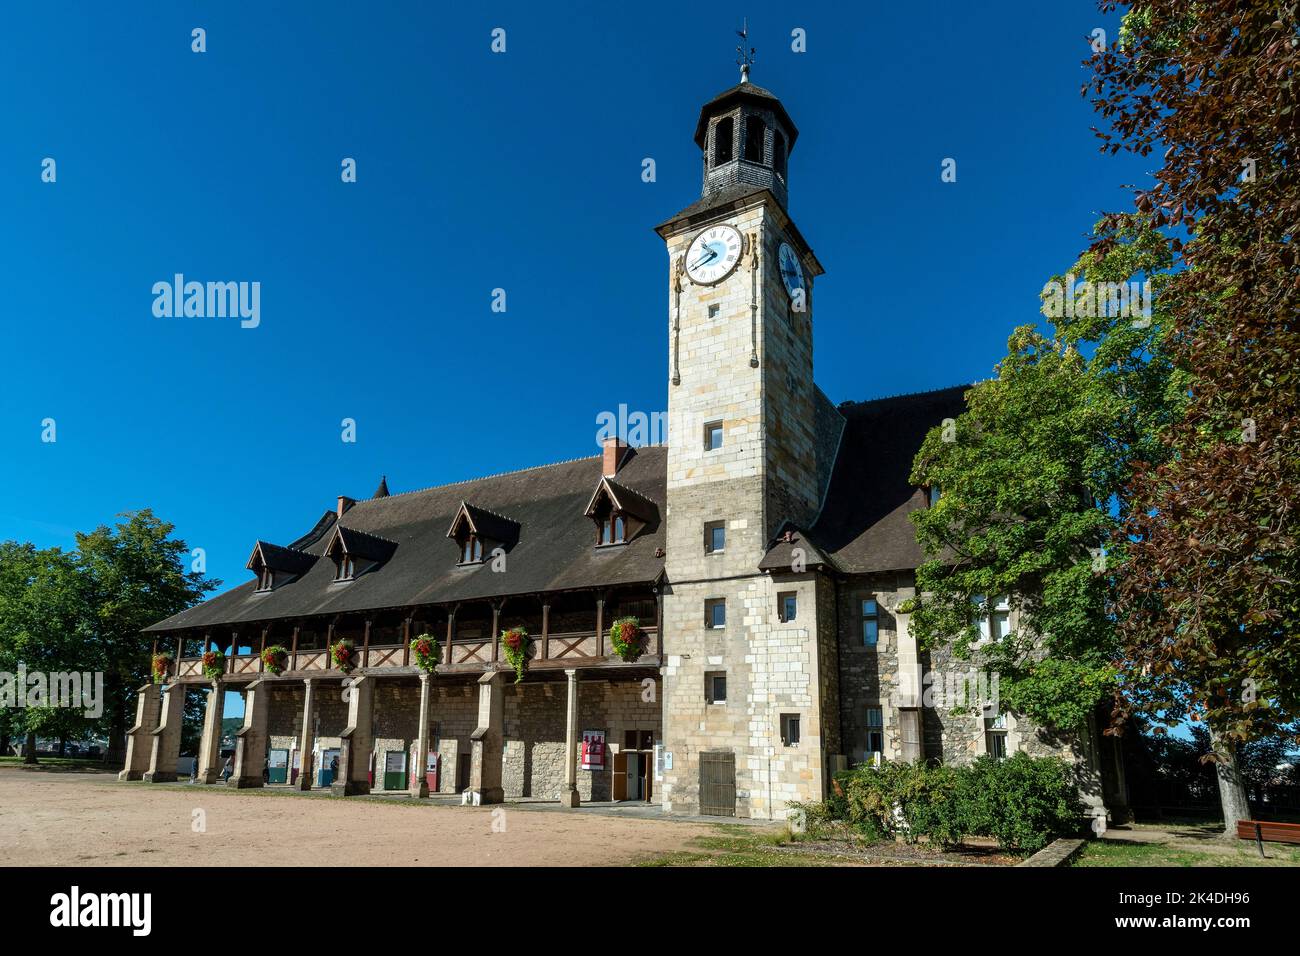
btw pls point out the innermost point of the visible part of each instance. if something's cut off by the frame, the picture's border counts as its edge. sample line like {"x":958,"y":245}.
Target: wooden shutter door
{"x":718,"y":784}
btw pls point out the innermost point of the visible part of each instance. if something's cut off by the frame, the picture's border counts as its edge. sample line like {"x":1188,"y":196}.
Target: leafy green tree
{"x":1032,"y":482}
{"x":42,"y":629}
{"x":136,"y":573}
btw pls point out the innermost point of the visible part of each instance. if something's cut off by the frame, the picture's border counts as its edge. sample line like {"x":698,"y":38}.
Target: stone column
{"x":569,"y":796}
{"x":250,"y":742}
{"x":166,"y":749}
{"x":357,"y":740}
{"x":306,"y":740}
{"x":487,"y":743}
{"x":139,"y":739}
{"x":422,"y":741}
{"x":210,"y":744}
{"x":910,"y":731}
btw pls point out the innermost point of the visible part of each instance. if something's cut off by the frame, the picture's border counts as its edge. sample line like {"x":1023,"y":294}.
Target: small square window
{"x":715,"y":613}
{"x":713,"y":436}
{"x":790,"y":730}
{"x":933,"y":494}
{"x":715,"y":536}
{"x":870,"y":623}
{"x":715,"y":687}
{"x":713,"y":311}
{"x":787,"y":603}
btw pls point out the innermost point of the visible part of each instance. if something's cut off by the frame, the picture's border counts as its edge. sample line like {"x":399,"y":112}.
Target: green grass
{"x":733,"y":844}
{"x":1242,"y":853}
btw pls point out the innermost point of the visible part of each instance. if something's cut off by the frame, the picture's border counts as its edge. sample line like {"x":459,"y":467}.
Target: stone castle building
{"x":763,"y":553}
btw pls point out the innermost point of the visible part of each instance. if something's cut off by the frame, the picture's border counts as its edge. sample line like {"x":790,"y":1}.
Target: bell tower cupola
{"x":746,"y":137}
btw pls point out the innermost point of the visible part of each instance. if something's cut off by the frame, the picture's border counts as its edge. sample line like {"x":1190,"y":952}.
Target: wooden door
{"x":619,"y":785}
{"x":718,"y":784}
{"x":462,"y":772}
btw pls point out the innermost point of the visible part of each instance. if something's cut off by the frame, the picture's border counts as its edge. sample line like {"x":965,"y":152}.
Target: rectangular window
{"x":715,"y":536}
{"x":994,"y":617}
{"x":715,"y":687}
{"x":870,"y":623}
{"x":875,"y":734}
{"x":933,"y":494}
{"x":995,"y":736}
{"x":787,"y":603}
{"x":713,"y":436}
{"x":790,"y":730}
{"x":713,"y":310}
{"x":715,"y":613}
{"x":755,"y":132}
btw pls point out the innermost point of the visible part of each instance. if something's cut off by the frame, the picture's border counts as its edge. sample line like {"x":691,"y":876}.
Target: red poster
{"x":593,"y":750}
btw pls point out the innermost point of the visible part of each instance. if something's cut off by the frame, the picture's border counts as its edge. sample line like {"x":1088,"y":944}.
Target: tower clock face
{"x":791,"y":270}
{"x":713,"y":255}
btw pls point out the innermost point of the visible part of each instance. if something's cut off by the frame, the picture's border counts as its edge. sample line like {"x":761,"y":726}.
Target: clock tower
{"x":745,"y":656}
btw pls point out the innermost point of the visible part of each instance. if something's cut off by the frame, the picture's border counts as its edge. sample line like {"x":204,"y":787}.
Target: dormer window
{"x":355,"y":552}
{"x":619,"y":513}
{"x":276,"y":565}
{"x":478,"y":531}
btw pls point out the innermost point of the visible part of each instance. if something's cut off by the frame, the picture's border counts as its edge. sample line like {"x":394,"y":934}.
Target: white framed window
{"x":995,"y":735}
{"x":994,"y":617}
{"x":712,"y":436}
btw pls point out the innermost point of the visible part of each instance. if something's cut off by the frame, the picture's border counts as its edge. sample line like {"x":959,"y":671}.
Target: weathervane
{"x":746,"y":59}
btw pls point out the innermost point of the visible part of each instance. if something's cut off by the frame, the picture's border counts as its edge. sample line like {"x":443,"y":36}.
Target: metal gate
{"x":718,"y":784}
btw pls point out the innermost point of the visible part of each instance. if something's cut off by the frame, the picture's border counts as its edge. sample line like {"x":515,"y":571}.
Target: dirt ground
{"x":87,"y":819}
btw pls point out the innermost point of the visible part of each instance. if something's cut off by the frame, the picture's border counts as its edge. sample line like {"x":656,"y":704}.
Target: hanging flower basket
{"x":162,"y":666}
{"x":344,"y":655}
{"x":275,"y":659}
{"x":214,"y":664}
{"x":627,"y":638}
{"x":517,"y":646}
{"x":427,"y":652}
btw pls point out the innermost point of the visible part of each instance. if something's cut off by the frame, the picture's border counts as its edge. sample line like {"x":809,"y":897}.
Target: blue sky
{"x":478,"y":171}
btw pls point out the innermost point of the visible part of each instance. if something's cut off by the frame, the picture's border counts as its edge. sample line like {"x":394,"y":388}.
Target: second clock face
{"x":791,"y":270}
{"x":713,"y":254}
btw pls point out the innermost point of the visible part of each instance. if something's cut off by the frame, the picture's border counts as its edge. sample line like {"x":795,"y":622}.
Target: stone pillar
{"x":306,"y":740}
{"x":250,"y":742}
{"x":166,"y":749}
{"x":911,"y":735}
{"x":487,"y":743}
{"x":421,"y":789}
{"x":357,"y":740}
{"x":139,"y":739}
{"x":569,"y":795}
{"x":210,"y":744}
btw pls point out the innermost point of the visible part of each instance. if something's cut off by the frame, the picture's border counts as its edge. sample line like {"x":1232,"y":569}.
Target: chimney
{"x":344,"y":504}
{"x":614,"y":449}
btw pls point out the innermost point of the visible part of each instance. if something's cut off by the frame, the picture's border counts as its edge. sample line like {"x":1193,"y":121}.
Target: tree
{"x":135,"y":575}
{"x":1032,"y":479}
{"x":1207,"y":604}
{"x":42,"y":631}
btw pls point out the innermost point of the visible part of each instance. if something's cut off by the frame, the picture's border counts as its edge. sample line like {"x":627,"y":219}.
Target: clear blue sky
{"x":478,"y":171}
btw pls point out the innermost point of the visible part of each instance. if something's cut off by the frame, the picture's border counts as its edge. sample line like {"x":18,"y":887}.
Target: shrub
{"x":1025,"y":802}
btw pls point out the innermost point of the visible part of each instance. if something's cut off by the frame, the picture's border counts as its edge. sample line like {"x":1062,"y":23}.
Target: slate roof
{"x":289,"y":560}
{"x":555,"y":550}
{"x":863,"y":526}
{"x":742,"y":91}
{"x":486,"y":524}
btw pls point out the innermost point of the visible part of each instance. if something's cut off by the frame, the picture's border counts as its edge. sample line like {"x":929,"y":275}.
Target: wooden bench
{"x":1261,"y":830}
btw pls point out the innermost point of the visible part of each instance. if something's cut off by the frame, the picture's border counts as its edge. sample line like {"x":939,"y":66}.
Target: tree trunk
{"x":4,"y":744}
{"x":1232,"y":792}
{"x":63,"y":746}
{"x":29,"y":749}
